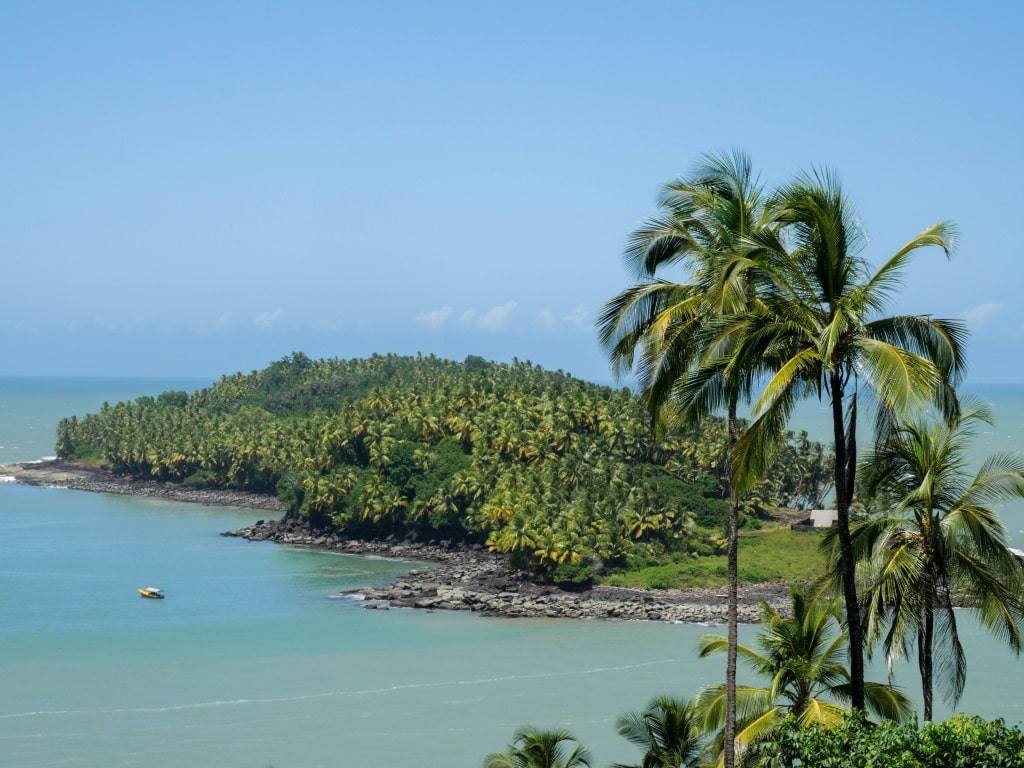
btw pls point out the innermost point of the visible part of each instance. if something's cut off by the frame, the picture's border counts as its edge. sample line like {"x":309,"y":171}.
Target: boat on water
{"x":151,"y":592}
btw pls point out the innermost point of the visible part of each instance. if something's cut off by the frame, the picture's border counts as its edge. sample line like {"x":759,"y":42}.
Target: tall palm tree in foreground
{"x":669,"y":732}
{"x":939,"y":544}
{"x":802,"y":659}
{"x":825,"y":310}
{"x":536,"y":748}
{"x":679,"y":335}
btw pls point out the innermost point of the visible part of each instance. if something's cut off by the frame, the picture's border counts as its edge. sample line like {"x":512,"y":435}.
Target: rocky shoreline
{"x":472,"y":579}
{"x":63,"y":474}
{"x":463,"y":578}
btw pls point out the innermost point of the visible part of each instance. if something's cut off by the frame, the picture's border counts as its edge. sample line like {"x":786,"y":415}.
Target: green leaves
{"x":801,"y":660}
{"x":962,"y":741}
{"x":668,"y":731}
{"x":886,"y":280}
{"x":900,"y":378}
{"x":553,"y":471}
{"x":937,"y":543}
{"x":537,"y":748}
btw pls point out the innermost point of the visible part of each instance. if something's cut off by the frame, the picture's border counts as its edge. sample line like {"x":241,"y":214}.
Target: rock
{"x":469,"y":578}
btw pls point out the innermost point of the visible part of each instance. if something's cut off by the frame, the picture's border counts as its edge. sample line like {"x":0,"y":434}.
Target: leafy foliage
{"x":801,"y":659}
{"x":668,"y":732}
{"x":936,"y":543}
{"x":963,"y":741}
{"x":537,"y":464}
{"x":535,"y":748}
{"x":821,"y":326}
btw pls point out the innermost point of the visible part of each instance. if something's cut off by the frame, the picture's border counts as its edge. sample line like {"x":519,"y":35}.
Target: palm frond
{"x":900,"y":378}
{"x":887,"y":279}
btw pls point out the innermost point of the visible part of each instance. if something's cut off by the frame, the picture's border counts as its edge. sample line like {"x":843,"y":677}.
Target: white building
{"x":823,"y":518}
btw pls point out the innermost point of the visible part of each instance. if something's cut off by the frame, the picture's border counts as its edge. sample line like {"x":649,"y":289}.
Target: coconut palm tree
{"x":669,"y":731}
{"x":414,"y":449}
{"x":801,"y":659}
{"x":536,"y":748}
{"x":937,"y":545}
{"x":662,"y":327}
{"x":823,"y":322}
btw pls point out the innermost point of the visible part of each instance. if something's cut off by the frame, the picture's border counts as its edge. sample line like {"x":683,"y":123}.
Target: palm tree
{"x":668,"y":731}
{"x":705,"y":223}
{"x":536,"y":748}
{"x":802,"y":659}
{"x":366,"y":463}
{"x":939,"y":544}
{"x":823,"y":321}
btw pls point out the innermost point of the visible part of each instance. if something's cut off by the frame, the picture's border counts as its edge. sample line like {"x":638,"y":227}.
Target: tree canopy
{"x":553,"y":470}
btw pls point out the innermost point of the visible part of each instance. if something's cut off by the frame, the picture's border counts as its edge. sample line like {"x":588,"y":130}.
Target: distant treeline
{"x":556,"y":471}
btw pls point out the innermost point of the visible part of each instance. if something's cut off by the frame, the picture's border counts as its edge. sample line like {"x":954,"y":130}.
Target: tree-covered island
{"x":564,"y":476}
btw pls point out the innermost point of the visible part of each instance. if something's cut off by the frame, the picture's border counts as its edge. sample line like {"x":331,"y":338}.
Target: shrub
{"x":573,"y":575}
{"x":203,"y":478}
{"x":963,"y":741}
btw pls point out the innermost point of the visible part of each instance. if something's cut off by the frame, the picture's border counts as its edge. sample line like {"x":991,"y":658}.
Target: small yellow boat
{"x":151,"y":592}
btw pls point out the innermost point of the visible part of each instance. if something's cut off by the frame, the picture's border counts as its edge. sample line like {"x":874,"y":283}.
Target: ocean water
{"x":252,"y":660}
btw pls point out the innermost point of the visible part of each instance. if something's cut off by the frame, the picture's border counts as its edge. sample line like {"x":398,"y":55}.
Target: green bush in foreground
{"x":963,"y":741}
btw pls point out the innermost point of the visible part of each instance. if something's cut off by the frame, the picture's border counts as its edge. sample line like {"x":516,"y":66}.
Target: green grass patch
{"x":770,"y":554}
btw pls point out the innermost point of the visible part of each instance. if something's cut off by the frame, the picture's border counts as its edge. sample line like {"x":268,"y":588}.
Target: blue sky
{"x":192,"y":189}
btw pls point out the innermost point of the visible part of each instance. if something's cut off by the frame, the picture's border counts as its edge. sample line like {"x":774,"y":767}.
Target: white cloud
{"x":267,"y":319}
{"x":978,"y":316}
{"x":493,"y":319}
{"x":496,"y":318}
{"x":434,"y":318}
{"x":577,"y":318}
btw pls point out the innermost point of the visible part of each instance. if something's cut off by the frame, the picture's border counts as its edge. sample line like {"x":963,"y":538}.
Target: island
{"x":532,"y":492}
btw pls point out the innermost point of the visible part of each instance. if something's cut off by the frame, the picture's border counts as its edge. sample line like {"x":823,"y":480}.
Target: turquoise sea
{"x":252,"y":661}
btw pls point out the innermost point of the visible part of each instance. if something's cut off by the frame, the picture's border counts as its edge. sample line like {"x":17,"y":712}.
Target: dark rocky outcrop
{"x":464,"y":579}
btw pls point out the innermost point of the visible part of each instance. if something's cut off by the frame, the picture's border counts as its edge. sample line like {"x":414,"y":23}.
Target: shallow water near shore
{"x":252,"y":660}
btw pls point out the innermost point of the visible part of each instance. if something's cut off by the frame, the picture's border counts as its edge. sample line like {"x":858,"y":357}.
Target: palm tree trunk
{"x":925,"y":637}
{"x":926,"y":621}
{"x":845,"y":477}
{"x":733,"y":558}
